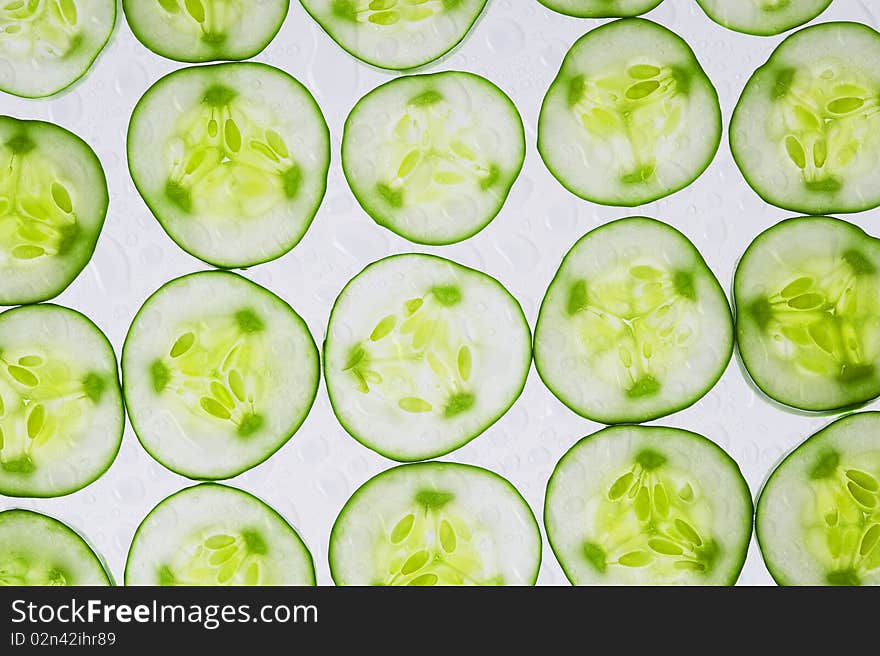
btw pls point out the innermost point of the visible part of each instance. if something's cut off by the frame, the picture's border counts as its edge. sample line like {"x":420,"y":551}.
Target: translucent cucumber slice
{"x":807,"y":296}
{"x":647,"y":505}
{"x":433,"y":157}
{"x":763,"y":17}
{"x":818,"y":518}
{"x":634,"y":325}
{"x":422,"y":355}
{"x":806,"y":130}
{"x":212,"y":534}
{"x":232,"y":159}
{"x":38,"y":550}
{"x":47,"y":45}
{"x":435,"y":523}
{"x":61,"y":415}
{"x":631,"y":117}
{"x":53,"y":201}
{"x":218,"y":374}
{"x":396,"y":34}
{"x":601,"y":8}
{"x":205,"y":30}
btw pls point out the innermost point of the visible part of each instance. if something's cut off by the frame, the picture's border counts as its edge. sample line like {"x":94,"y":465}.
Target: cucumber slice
{"x":396,"y":34}
{"x":435,"y":523}
{"x":212,"y":534}
{"x":433,"y":157}
{"x":634,"y":325}
{"x":647,"y":505}
{"x":232,"y":159}
{"x":601,"y":8}
{"x":806,"y":130}
{"x":47,"y":46}
{"x":422,"y":355}
{"x":218,"y":374}
{"x":762,"y":17}
{"x":631,"y":117}
{"x":53,"y":201}
{"x":61,"y":415}
{"x":205,"y":30}
{"x":38,"y":550}
{"x":807,"y":295}
{"x":818,"y":518}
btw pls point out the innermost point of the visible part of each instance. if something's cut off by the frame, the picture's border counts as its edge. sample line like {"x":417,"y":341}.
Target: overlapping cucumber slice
{"x":205,"y":30}
{"x":601,"y":8}
{"x":634,"y":325}
{"x":647,"y":505}
{"x":218,"y":374}
{"x":396,"y":34}
{"x":232,"y":159}
{"x":762,"y":17}
{"x":807,"y":296}
{"x":47,"y":45}
{"x":430,"y":524}
{"x":422,"y":355}
{"x":61,"y":414}
{"x":38,"y":550}
{"x":53,"y":201}
{"x":818,"y":517}
{"x":433,"y":157}
{"x":214,"y":535}
{"x":631,"y":117}
{"x":806,"y":130}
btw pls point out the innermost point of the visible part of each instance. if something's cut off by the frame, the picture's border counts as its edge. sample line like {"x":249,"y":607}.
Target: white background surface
{"x":518,"y":44}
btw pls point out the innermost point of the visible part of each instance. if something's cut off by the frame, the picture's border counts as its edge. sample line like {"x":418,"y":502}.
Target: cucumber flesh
{"x":47,"y":46}
{"x":647,"y":505}
{"x":53,"y":201}
{"x":807,"y":294}
{"x":422,"y":355}
{"x":601,"y":8}
{"x":218,"y":374}
{"x":634,"y":325}
{"x":396,"y":34}
{"x":818,"y":517}
{"x":806,"y":130}
{"x":433,"y":157}
{"x":232,"y":159}
{"x":762,"y":17}
{"x":631,"y":117}
{"x":205,"y":30}
{"x":214,"y":535}
{"x":61,"y":414}
{"x":430,"y":524}
{"x":37,"y":550}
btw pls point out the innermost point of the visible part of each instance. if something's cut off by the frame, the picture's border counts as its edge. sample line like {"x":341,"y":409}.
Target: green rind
{"x":550,"y":4}
{"x":376,"y":214}
{"x":761,"y":32}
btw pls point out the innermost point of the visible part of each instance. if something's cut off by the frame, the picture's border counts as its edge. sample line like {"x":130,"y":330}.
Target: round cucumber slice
{"x":631,"y":117}
{"x":423,"y":354}
{"x":634,"y":325}
{"x":601,"y":8}
{"x":396,"y":34}
{"x":232,"y":159}
{"x":212,"y":534}
{"x":807,"y":297}
{"x":205,"y":30}
{"x":435,"y":523}
{"x":762,"y":17}
{"x":49,"y":45}
{"x":647,"y":505}
{"x":61,"y":415}
{"x":806,"y":130}
{"x":53,"y":201}
{"x":433,"y":157}
{"x":818,"y":518}
{"x":38,"y":550}
{"x":218,"y":374}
